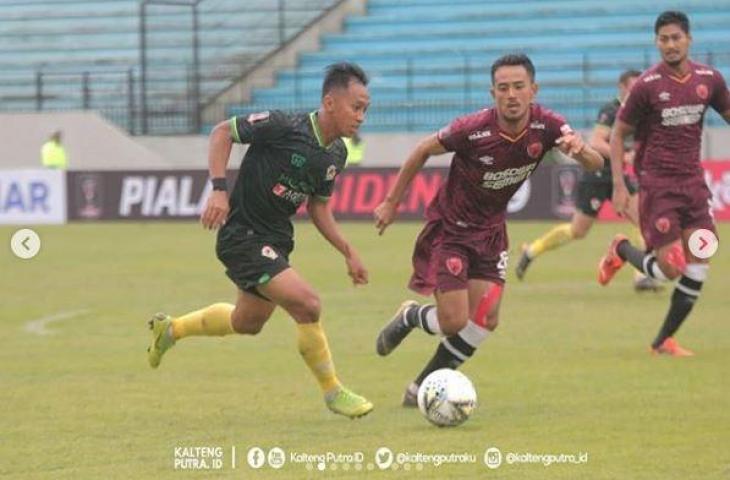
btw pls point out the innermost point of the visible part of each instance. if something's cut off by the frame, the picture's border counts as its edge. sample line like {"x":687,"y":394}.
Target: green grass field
{"x":567,"y":371}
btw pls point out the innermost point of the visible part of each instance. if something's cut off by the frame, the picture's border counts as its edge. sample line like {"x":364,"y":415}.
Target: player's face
{"x":513,"y":92}
{"x":625,"y":87}
{"x":348,"y":107}
{"x":673,"y":44}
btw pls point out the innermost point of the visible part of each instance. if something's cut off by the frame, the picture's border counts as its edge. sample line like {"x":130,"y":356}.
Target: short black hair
{"x":672,"y":17}
{"x":623,"y":78}
{"x":339,"y":75}
{"x":514,"y":59}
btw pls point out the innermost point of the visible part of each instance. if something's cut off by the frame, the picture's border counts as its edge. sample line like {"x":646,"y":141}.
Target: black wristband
{"x":219,"y":184}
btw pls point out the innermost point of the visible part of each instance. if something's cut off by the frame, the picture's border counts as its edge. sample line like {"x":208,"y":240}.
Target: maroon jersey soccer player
{"x":461,"y":254}
{"x":664,"y":111}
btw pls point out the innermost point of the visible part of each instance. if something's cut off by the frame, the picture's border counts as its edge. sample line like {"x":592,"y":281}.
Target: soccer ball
{"x":447,"y":398}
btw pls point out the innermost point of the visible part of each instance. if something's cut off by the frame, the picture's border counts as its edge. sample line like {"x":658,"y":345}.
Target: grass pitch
{"x":567,"y":372}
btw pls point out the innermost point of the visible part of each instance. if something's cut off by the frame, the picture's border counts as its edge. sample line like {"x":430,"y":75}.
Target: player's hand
{"x":571,"y":143}
{"x":620,"y":198}
{"x":384,"y":215}
{"x":216,"y":210}
{"x":356,"y":270}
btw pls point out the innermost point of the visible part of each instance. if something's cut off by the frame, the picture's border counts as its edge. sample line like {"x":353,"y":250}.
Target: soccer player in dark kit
{"x":664,"y":112}
{"x":292,"y":158}
{"x":461,"y":254}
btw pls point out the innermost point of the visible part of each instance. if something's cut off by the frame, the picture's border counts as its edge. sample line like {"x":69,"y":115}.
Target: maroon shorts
{"x":667,"y":210}
{"x":445,"y":258}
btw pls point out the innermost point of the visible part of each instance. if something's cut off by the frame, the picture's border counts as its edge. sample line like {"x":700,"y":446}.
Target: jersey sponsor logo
{"x":269,"y":252}
{"x":507,"y":177}
{"x":534,"y":149}
{"x":258,"y":117}
{"x":703,"y":71}
{"x":662,"y":224}
{"x":651,"y":78}
{"x":487,"y":160}
{"x":702,"y":91}
{"x":682,"y":115}
{"x":454,"y":265}
{"x":664,"y":96}
{"x":479,"y":134}
{"x":331,"y":173}
{"x":537,"y":126}
{"x":298,"y":160}
{"x":281,"y":191}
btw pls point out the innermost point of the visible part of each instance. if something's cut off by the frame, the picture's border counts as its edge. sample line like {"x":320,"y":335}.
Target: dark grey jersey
{"x":286,"y":163}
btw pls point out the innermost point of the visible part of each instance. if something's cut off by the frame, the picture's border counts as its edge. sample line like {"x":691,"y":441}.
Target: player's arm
{"x":219,"y":150}
{"x":600,"y":136}
{"x":386,"y":211}
{"x":621,"y":130}
{"x":572,"y":144}
{"x":321,"y":215}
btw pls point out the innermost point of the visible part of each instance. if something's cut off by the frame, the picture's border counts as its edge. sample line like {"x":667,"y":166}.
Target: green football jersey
{"x":285,"y":164}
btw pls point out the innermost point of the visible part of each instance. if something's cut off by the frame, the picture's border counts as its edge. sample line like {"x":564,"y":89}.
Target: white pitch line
{"x":38,"y":326}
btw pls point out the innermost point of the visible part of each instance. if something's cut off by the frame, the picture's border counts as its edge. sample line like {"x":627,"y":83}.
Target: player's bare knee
{"x":668,"y":269}
{"x":579,"y":234}
{"x":306,"y":309}
{"x":246,"y":324}
{"x":452,"y":324}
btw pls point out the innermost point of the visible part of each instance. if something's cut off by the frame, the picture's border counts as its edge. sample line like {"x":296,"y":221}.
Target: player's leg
{"x":660,"y":226}
{"x":467,"y":323}
{"x":591,"y":194}
{"x":468,"y":303}
{"x":291,"y":292}
{"x":686,"y":293}
{"x":246,"y":317}
{"x":642,"y":282}
{"x":410,"y":314}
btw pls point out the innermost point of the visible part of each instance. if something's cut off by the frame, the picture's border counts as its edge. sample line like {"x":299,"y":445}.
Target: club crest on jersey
{"x":454,"y":266}
{"x":664,"y":96}
{"x":702,"y":91}
{"x":662,"y":224}
{"x":258,"y":117}
{"x":534,"y":149}
{"x":595,"y":204}
{"x":269,"y":252}
{"x":298,"y":160}
{"x":331,"y":173}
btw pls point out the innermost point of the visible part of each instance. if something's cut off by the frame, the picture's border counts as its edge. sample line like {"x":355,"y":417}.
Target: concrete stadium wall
{"x":92,"y":143}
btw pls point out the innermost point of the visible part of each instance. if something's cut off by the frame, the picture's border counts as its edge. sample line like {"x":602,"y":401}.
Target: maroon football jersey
{"x":489,"y":166}
{"x":667,"y":113}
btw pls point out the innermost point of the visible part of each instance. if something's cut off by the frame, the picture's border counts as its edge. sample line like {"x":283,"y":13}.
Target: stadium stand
{"x":429,"y":60}
{"x":85,"y":54}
